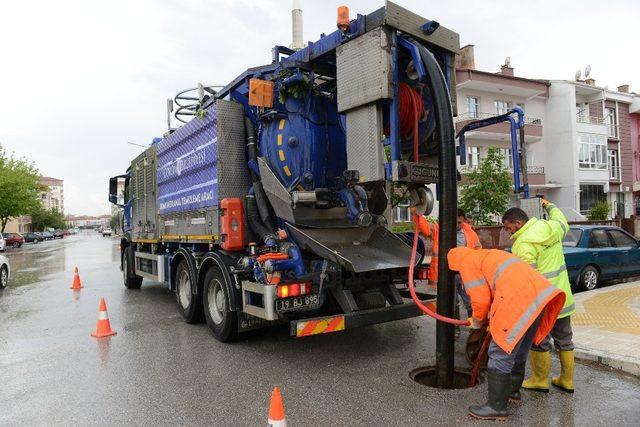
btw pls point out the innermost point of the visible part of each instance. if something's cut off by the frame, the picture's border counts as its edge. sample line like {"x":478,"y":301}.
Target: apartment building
{"x":634,"y":135}
{"x":53,"y":194}
{"x":589,"y":134}
{"x":482,"y":94}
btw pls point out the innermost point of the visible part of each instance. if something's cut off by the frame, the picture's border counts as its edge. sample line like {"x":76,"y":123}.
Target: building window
{"x":502,"y":107}
{"x":614,"y":165}
{"x":402,"y":213}
{"x":592,"y":151}
{"x":507,"y":158}
{"x":473,"y":157}
{"x":472,"y":106}
{"x":611,"y":121}
{"x":589,"y":195}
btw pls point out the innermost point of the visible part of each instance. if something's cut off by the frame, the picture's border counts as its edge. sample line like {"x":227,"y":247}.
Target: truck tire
{"x":131,"y":279}
{"x":189,"y":305}
{"x":221,"y":320}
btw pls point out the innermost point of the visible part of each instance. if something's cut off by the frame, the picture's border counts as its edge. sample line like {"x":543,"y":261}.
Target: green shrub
{"x":599,"y":211}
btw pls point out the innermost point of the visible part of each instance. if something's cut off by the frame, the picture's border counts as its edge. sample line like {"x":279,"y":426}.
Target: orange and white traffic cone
{"x":77,"y":284}
{"x":276,"y":410}
{"x":104,"y":327}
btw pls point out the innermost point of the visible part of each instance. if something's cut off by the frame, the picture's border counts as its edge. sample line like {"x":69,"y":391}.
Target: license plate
{"x":295,"y":303}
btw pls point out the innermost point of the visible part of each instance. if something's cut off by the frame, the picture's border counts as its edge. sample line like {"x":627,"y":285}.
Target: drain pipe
{"x":448,"y":199}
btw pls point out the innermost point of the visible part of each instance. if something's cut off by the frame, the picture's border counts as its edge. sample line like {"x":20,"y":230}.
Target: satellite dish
{"x":587,"y":72}
{"x":578,"y":74}
{"x":507,"y":61}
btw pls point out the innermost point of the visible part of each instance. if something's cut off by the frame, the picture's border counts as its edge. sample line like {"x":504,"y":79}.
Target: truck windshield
{"x":572,"y":238}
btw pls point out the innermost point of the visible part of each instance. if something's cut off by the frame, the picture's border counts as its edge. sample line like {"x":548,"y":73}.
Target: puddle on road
{"x":34,"y":263}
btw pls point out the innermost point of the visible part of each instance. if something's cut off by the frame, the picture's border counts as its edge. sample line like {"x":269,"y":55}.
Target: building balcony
{"x":590,"y":120}
{"x":499,"y":131}
{"x":535,"y":174}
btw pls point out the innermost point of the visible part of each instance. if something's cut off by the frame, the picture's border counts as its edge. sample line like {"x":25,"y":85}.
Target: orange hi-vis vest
{"x":432,"y":230}
{"x":508,"y":292}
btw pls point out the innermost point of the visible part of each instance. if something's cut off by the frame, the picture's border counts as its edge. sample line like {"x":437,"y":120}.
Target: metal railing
{"x":470,"y":115}
{"x":590,"y":120}
{"x":530,"y":169}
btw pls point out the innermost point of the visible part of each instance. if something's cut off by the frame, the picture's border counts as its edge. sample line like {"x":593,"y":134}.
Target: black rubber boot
{"x":517,"y":376}
{"x":499,"y":388}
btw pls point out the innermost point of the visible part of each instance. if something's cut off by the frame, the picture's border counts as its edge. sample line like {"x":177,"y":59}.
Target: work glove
{"x":474,"y":324}
{"x":545,"y":203}
{"x":418,"y":201}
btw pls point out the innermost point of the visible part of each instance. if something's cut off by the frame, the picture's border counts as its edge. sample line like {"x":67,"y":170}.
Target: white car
{"x":106,"y":232}
{"x":5,"y":271}
{"x":3,"y":243}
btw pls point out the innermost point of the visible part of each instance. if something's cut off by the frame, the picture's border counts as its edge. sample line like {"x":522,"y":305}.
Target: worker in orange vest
{"x":466,"y":237}
{"x":518,"y":304}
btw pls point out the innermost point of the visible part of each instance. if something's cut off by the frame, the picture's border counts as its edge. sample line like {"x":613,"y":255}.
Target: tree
{"x":486,"y":192}
{"x":42,"y":219}
{"x":114,"y":222}
{"x":19,"y":187}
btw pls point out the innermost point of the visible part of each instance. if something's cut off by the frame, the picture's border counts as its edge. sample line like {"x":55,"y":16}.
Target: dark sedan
{"x":32,"y":237}
{"x":595,"y":253}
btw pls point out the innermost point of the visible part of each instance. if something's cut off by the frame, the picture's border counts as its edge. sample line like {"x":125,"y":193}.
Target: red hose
{"x":476,"y":364}
{"x":410,"y":110}
{"x":412,"y":291}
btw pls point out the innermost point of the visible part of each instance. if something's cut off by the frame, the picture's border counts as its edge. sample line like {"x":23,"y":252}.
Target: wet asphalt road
{"x":160,"y":370}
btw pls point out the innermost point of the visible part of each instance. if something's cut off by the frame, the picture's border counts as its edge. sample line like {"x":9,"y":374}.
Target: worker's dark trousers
{"x":501,"y":361}
{"x":562,"y":335}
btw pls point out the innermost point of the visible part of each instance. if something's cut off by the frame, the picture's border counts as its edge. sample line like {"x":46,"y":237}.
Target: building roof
{"x":498,"y":82}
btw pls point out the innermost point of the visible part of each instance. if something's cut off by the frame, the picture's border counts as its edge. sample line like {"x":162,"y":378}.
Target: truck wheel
{"x":131,"y":279}
{"x":189,"y":305}
{"x":589,"y":278}
{"x":221,"y":320}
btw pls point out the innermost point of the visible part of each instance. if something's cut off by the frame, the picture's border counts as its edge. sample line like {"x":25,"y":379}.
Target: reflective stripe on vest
{"x":475,"y":283}
{"x":562,"y":225}
{"x":567,"y":309}
{"x":555,"y":273}
{"x":531,"y":311}
{"x":501,"y":268}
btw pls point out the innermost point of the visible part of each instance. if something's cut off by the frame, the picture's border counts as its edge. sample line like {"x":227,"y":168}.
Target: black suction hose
{"x":258,"y":215}
{"x":447,"y":211}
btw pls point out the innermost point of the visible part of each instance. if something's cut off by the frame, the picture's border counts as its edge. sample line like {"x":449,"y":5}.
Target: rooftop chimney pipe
{"x":296,"y":26}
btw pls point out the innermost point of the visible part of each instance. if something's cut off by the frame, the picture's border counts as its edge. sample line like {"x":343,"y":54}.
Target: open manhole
{"x":427,"y":376}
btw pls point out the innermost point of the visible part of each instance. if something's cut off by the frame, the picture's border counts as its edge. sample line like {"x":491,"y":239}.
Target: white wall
{"x":561,"y":149}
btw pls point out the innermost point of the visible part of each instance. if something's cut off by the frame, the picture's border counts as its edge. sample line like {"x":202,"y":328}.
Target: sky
{"x":81,"y":79}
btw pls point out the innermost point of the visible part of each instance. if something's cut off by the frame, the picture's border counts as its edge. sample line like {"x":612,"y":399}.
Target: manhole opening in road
{"x":427,"y":376}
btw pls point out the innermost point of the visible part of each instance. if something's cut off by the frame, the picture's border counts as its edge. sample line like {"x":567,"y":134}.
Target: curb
{"x":622,"y":363}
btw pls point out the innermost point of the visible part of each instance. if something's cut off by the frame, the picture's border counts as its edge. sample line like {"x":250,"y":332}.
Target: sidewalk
{"x":606,"y":326}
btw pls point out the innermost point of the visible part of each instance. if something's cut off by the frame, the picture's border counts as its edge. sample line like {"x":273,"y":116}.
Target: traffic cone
{"x":276,"y":410}
{"x":77,"y":284}
{"x":104,"y":327}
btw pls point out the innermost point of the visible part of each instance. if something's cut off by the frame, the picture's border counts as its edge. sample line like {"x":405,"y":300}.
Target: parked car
{"x":106,"y":232}
{"x":5,"y":271}
{"x":47,"y":235}
{"x":58,"y":234}
{"x":66,"y":232}
{"x":3,"y":243}
{"x":32,"y":237}
{"x":595,"y":253}
{"x":13,"y":239}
